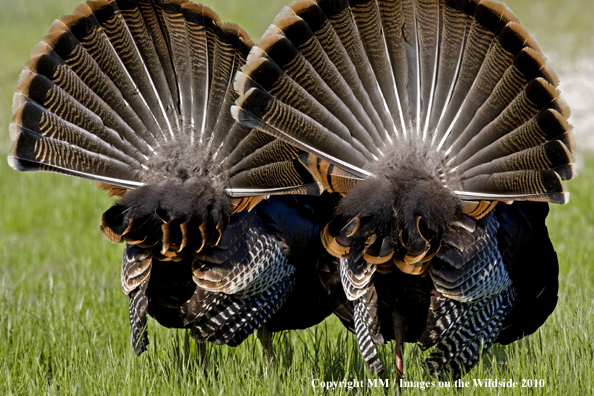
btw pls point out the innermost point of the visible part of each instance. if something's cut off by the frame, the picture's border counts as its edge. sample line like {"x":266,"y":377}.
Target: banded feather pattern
{"x":459,"y":349}
{"x":402,"y":152}
{"x":498,"y":82}
{"x":445,"y":121}
{"x":365,"y":340}
{"x":136,"y":270}
{"x":260,"y":270}
{"x":132,"y":93}
{"x":136,"y":95}
{"x":238,"y":318}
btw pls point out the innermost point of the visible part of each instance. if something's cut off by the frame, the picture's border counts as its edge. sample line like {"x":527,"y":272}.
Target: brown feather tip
{"x":239,"y":32}
{"x":333,"y":247}
{"x":377,"y":260}
{"x":202,"y":10}
{"x":129,"y":228}
{"x":410,"y":269}
{"x":165,"y":239}
{"x":477,"y":209}
{"x":112,"y":191}
{"x":544,"y":67}
{"x":245,"y":37}
{"x":500,"y":9}
{"x":300,"y":5}
{"x":521,"y":31}
{"x":410,"y":260}
{"x":56,"y":30}
{"x":98,"y":4}
{"x":270,"y":37}
{"x":24,"y":81}
{"x":184,"y":230}
{"x":418,"y":225}
{"x":286,"y":17}
{"x":353,"y":227}
{"x":131,"y":241}
{"x":205,"y":234}
{"x":31,"y":64}
{"x":71,"y":19}
{"x":217,"y":236}
{"x":41,"y":48}
{"x":87,"y":8}
{"x":108,"y":232}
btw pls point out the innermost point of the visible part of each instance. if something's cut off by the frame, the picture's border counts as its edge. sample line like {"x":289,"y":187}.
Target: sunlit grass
{"x":63,"y":318}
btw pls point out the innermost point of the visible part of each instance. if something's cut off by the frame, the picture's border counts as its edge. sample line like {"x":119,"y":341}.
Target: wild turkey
{"x":135,"y":95}
{"x":441,"y":124}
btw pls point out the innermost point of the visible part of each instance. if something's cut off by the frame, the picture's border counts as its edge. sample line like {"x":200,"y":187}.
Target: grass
{"x":63,"y":318}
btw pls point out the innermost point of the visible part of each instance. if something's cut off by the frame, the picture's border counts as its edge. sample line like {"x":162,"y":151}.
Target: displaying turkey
{"x":135,"y":95}
{"x":440,"y":123}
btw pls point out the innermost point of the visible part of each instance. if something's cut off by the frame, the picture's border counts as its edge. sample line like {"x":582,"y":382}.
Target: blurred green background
{"x":63,"y":318}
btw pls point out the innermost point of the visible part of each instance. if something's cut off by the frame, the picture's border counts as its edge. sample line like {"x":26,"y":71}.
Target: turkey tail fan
{"x":136,"y":75}
{"x":136,"y":95}
{"x":356,"y":83}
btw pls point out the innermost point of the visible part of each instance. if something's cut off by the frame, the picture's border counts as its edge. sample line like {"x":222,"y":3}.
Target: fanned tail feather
{"x":116,"y":87}
{"x":455,"y":78}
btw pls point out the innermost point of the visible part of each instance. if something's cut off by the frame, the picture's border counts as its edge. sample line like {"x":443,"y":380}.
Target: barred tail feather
{"x":450,"y":79}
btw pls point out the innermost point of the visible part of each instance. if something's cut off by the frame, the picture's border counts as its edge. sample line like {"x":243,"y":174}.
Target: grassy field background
{"x":63,"y":318}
